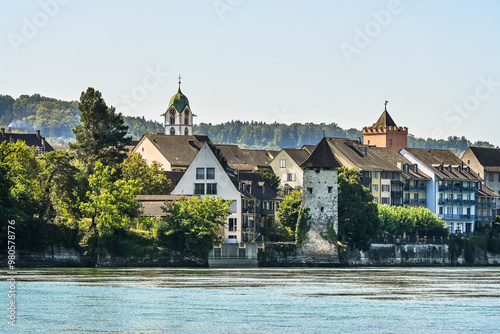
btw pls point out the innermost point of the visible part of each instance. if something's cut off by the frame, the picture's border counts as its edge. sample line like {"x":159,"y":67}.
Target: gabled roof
{"x":308,"y":148}
{"x":445,"y":158}
{"x":174,"y":177}
{"x":178,"y":150}
{"x":364,"y":157}
{"x":486,"y":192}
{"x":395,"y":158}
{"x":297,"y":155}
{"x":244,"y":159}
{"x":489,"y":158}
{"x":384,"y":120}
{"x":321,"y":157}
{"x":31,"y":139}
{"x":151,"y":205}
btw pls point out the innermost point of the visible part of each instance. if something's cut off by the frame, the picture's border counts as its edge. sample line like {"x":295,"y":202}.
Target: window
{"x":211,"y":188}
{"x":390,"y":142}
{"x":210,"y":173}
{"x":200,"y":173}
{"x":322,"y":209}
{"x":172,"y":131}
{"x":385,"y":188}
{"x":330,"y":189}
{"x":290,"y":177}
{"x":375,"y":199}
{"x":172,"y":120}
{"x":415,"y":196}
{"x":440,"y":210}
{"x":186,"y":132}
{"x":233,"y":226}
{"x":199,"y":189}
{"x":282,"y":163}
{"x":375,"y":175}
{"x":385,"y":200}
{"x":310,"y":190}
{"x":449,"y":210}
{"x":186,"y":120}
{"x":374,"y":187}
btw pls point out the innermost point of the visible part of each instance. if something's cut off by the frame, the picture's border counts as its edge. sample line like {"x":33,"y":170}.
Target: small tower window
{"x":186,"y":132}
{"x":390,"y":142}
{"x":330,"y":189}
{"x":172,"y":131}
{"x":322,"y":209}
{"x":172,"y":120}
{"x":310,"y":190}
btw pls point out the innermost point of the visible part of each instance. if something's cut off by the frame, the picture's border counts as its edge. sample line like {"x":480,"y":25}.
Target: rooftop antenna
{"x":179,"y":77}
{"x":385,"y":104}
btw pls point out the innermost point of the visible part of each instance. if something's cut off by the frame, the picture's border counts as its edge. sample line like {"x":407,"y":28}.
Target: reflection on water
{"x":360,"y":300}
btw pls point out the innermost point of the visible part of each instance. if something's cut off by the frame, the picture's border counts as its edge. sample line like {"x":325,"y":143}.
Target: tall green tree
{"x":288,"y":214}
{"x":192,"y":225}
{"x":151,"y":179}
{"x":102,"y":134}
{"x":358,"y":215}
{"x":111,"y":204}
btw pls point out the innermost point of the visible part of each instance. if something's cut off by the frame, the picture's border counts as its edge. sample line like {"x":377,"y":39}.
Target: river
{"x":264,"y":300}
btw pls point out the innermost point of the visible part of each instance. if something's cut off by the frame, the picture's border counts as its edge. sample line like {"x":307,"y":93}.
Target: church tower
{"x":385,"y":133}
{"x":178,"y":117}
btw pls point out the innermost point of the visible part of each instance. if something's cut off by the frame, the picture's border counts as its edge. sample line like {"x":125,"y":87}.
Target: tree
{"x":303,"y":225}
{"x":288,"y":214}
{"x":358,"y":215}
{"x":398,"y":221}
{"x":192,"y":224}
{"x":102,"y":134}
{"x":269,"y":177}
{"x":151,"y":179}
{"x":111,"y":205}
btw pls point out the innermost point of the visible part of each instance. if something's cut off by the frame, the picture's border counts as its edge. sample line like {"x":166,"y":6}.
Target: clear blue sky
{"x":437,"y":62}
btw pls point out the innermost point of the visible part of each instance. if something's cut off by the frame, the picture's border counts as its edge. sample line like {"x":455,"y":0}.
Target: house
{"x":378,"y":174}
{"x":486,"y":161}
{"x":286,"y":165}
{"x":253,"y":202}
{"x":31,"y":139}
{"x":175,"y":153}
{"x":451,"y":192}
{"x":151,"y":205}
{"x":385,"y":133}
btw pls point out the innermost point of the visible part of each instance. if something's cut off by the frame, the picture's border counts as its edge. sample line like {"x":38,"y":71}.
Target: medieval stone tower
{"x":178,"y":117}
{"x":319,"y":194}
{"x":385,"y":133}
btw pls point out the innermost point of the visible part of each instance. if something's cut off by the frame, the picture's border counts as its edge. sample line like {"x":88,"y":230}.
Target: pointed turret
{"x":321,"y":157}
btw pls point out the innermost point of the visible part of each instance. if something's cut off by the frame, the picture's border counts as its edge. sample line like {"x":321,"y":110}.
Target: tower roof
{"x":179,"y":101}
{"x":321,"y":157}
{"x":384,"y":120}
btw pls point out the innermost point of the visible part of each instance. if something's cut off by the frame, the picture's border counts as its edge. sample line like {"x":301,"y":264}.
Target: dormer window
{"x":415,"y":168}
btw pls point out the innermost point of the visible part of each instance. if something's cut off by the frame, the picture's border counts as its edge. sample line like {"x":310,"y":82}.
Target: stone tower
{"x":178,"y":117}
{"x":385,"y":133}
{"x":319,"y":195}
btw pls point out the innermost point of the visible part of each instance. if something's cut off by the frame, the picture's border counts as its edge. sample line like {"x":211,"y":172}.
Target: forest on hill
{"x":56,"y":119}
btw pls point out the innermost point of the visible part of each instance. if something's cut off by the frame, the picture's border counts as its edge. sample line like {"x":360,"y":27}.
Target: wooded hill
{"x":56,"y":118}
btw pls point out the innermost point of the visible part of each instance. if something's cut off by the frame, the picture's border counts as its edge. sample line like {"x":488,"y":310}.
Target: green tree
{"x":269,"y":177}
{"x":192,"y":224}
{"x":288,"y":214}
{"x":399,"y":221}
{"x":151,"y":179}
{"x":303,"y":225}
{"x":111,"y":205}
{"x":102,"y":134}
{"x":358,"y":215}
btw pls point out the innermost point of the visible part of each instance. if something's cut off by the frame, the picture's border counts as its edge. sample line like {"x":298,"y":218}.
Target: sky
{"x":436,"y":62}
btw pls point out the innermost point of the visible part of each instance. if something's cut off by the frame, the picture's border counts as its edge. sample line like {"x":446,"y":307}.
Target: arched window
{"x":186,"y":132}
{"x":172,"y":120}
{"x":186,"y":117}
{"x":172,"y":131}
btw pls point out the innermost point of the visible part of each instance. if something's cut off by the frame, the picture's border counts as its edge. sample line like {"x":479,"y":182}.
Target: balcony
{"x":457,"y":217}
{"x":413,"y":201}
{"x":420,"y":187}
{"x":486,"y":205}
{"x":455,"y":201}
{"x":456,"y":188}
{"x":485,"y":218}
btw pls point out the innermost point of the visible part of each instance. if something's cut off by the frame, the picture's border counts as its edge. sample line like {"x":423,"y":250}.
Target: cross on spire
{"x":385,"y":108}
{"x":179,"y":77}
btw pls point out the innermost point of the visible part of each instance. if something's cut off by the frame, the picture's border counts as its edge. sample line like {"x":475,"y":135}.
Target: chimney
{"x":2,"y":131}
{"x":38,"y":133}
{"x":43,"y":141}
{"x":9,"y":129}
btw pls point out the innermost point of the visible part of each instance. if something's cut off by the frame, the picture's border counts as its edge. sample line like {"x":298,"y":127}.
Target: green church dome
{"x":179,"y":101}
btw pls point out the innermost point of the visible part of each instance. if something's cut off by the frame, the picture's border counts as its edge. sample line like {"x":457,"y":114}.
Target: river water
{"x":278,"y":300}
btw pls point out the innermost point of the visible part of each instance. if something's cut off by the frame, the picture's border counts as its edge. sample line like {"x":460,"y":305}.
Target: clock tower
{"x":178,"y":116}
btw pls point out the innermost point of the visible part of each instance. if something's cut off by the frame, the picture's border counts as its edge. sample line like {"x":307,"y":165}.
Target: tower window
{"x":172,"y":131}
{"x":330,"y":188}
{"x":172,"y":120}
{"x":310,"y":190}
{"x":390,"y":141}
{"x":186,"y":132}
{"x":186,"y":120}
{"x":322,"y":209}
